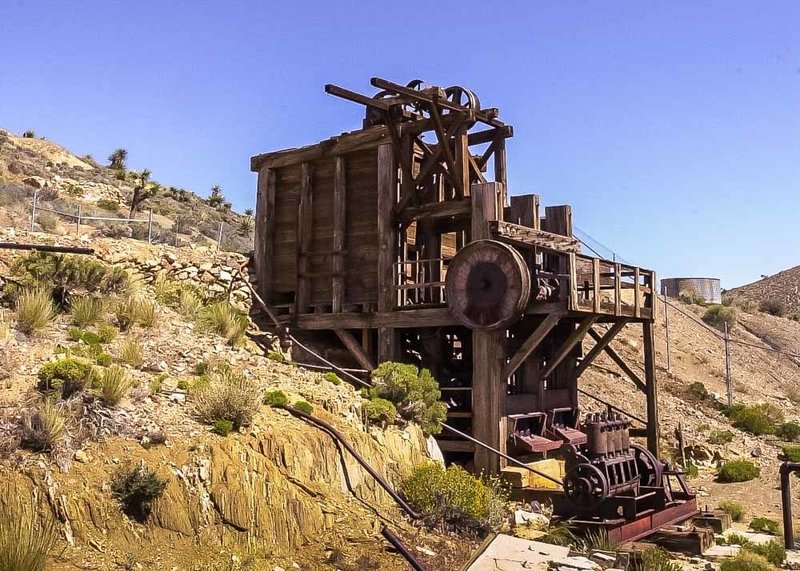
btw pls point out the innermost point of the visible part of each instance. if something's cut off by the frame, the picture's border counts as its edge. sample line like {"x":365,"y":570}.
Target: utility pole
{"x":728,"y":378}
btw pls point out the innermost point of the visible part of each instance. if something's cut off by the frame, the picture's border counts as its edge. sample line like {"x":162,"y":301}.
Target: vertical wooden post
{"x":78,"y":223}
{"x":387,"y":248}
{"x":728,"y":377}
{"x":149,"y":225}
{"x":666,"y":325}
{"x":264,"y":232}
{"x":651,"y":386}
{"x":500,"y":161}
{"x":33,"y":208}
{"x":488,"y":356}
{"x":304,"y":228}
{"x":339,"y":207}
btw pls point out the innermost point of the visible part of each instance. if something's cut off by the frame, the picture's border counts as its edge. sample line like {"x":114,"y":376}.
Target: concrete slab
{"x":509,"y":553}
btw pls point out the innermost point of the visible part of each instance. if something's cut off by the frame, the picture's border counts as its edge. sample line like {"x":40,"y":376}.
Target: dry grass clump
{"x":86,"y":310}
{"x":223,"y":319}
{"x":189,"y":303}
{"x":44,"y":427}
{"x":114,"y":385}
{"x":5,"y":326}
{"x":25,"y":537}
{"x":145,"y":313}
{"x":130,"y":352}
{"x":228,"y":395}
{"x":165,"y":289}
{"x":35,"y":310}
{"x":125,"y":312}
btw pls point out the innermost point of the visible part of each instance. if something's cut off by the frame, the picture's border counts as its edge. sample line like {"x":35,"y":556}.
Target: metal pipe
{"x":608,"y":404}
{"x":45,"y":248}
{"x":786,"y":502}
{"x":402,"y":549}
{"x":503,"y":455}
{"x":413,"y":514}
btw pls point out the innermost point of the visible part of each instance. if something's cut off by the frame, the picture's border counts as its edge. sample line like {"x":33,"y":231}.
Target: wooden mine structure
{"x":400,"y":240}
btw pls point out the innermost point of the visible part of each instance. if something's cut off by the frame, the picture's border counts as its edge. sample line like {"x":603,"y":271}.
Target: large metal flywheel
{"x":488,"y":285}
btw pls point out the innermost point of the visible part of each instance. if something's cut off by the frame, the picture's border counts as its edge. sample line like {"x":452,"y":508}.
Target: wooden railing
{"x":612,"y":288}
{"x":420,"y":282}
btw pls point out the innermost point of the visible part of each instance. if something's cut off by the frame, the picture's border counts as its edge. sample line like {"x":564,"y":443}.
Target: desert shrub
{"x":658,"y":559}
{"x":68,"y":375}
{"x":773,"y":307}
{"x":746,"y":561}
{"x":773,"y":551}
{"x":303,"y":406}
{"x":276,"y":398}
{"x":130,"y":353}
{"x":691,"y":297}
{"x":229,"y":395}
{"x":87,"y":337}
{"x":454,"y":496}
{"x":42,"y":428}
{"x":155,"y":384}
{"x":414,"y":392}
{"x":379,"y":411}
{"x":276,"y":356}
{"x":691,"y":470}
{"x":165,"y":289}
{"x":738,"y":471}
{"x":758,"y":419}
{"x":698,"y":390}
{"x":189,"y":303}
{"x":733,"y":509}
{"x":35,"y":310}
{"x":719,"y":315}
{"x":332,"y":377}
{"x":765,"y":525}
{"x":108,"y":205}
{"x":25,"y":537}
{"x":125,"y":312}
{"x":145,"y":313}
{"x":791,"y":453}
{"x":76,"y":273}
{"x":114,"y":385}
{"x":183,"y":385}
{"x":85,"y":310}
{"x":720,"y":437}
{"x":104,"y":360}
{"x":106,"y":333}
{"x":47,"y":221}
{"x":201,"y":368}
{"x":222,"y":427}
{"x":137,"y":489}
{"x":788,"y":431}
{"x":223,"y":319}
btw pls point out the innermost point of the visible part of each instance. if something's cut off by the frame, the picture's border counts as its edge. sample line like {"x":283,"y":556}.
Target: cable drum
{"x":488,"y":285}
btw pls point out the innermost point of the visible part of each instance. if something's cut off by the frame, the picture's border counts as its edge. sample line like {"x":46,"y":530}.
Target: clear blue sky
{"x":673,"y":128}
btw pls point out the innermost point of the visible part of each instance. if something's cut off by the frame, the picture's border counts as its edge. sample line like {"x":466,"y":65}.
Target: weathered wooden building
{"x":401,"y":239}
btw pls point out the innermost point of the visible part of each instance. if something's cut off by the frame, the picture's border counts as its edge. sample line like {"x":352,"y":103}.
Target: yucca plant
{"x":35,"y":310}
{"x":25,"y":537}
{"x":223,"y":319}
{"x":86,"y":310}
{"x":44,"y":427}
{"x":130,"y":352}
{"x":114,"y":385}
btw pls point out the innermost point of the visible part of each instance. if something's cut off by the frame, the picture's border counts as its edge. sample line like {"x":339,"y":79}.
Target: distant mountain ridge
{"x":783,"y":287}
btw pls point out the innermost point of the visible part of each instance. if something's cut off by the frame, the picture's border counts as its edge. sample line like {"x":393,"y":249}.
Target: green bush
{"x":454,"y":496}
{"x":773,"y":551}
{"x":137,"y":489}
{"x":658,"y":559}
{"x":106,"y":333}
{"x":68,"y":375}
{"x":788,"y":431}
{"x":75,"y":273}
{"x":379,"y":411}
{"x":691,"y":470}
{"x":758,"y":419}
{"x":718,"y":315}
{"x":733,"y":509}
{"x":104,"y":360}
{"x":414,"y":392}
{"x":155,"y":384}
{"x":332,"y":377}
{"x":738,"y":471}
{"x":276,"y":398}
{"x":114,"y":385}
{"x":791,"y":453}
{"x":25,"y":537}
{"x":108,"y":205}
{"x":764,"y":525}
{"x":183,"y":385}
{"x":85,"y":310}
{"x":222,"y":427}
{"x":746,"y":561}
{"x":303,"y":406}
{"x":773,"y":307}
{"x":691,"y":297}
{"x":720,"y":437}
{"x":698,"y":390}
{"x":276,"y":356}
{"x":35,"y":310}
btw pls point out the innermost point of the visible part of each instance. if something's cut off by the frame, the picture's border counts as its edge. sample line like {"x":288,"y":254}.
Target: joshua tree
{"x":215,"y":199}
{"x":29,"y":134}
{"x":116,"y":160}
{"x":248,"y":212}
{"x":143,"y":189}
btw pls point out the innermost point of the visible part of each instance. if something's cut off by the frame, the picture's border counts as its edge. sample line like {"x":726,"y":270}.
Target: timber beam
{"x":526,"y":237}
{"x":620,"y":362}
{"x":569,"y":344}
{"x":355,"y":348}
{"x":531,"y":343}
{"x":599,"y":346}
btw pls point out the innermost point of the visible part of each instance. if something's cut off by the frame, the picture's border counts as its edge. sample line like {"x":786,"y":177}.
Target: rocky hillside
{"x":783,"y":287}
{"x":65,"y":180}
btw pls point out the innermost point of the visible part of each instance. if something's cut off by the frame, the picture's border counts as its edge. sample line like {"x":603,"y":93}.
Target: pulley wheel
{"x":651,"y":469}
{"x":585,"y":486}
{"x":488,"y":285}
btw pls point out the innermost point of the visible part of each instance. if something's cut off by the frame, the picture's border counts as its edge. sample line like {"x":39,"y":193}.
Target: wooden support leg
{"x":488,"y":394}
{"x":620,"y":362}
{"x":651,"y":387}
{"x":599,"y":346}
{"x":355,"y":348}
{"x":569,"y":344}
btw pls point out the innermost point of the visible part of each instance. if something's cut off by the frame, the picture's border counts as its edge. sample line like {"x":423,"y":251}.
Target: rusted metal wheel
{"x":585,"y":486}
{"x":651,"y":469}
{"x":488,"y":285}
